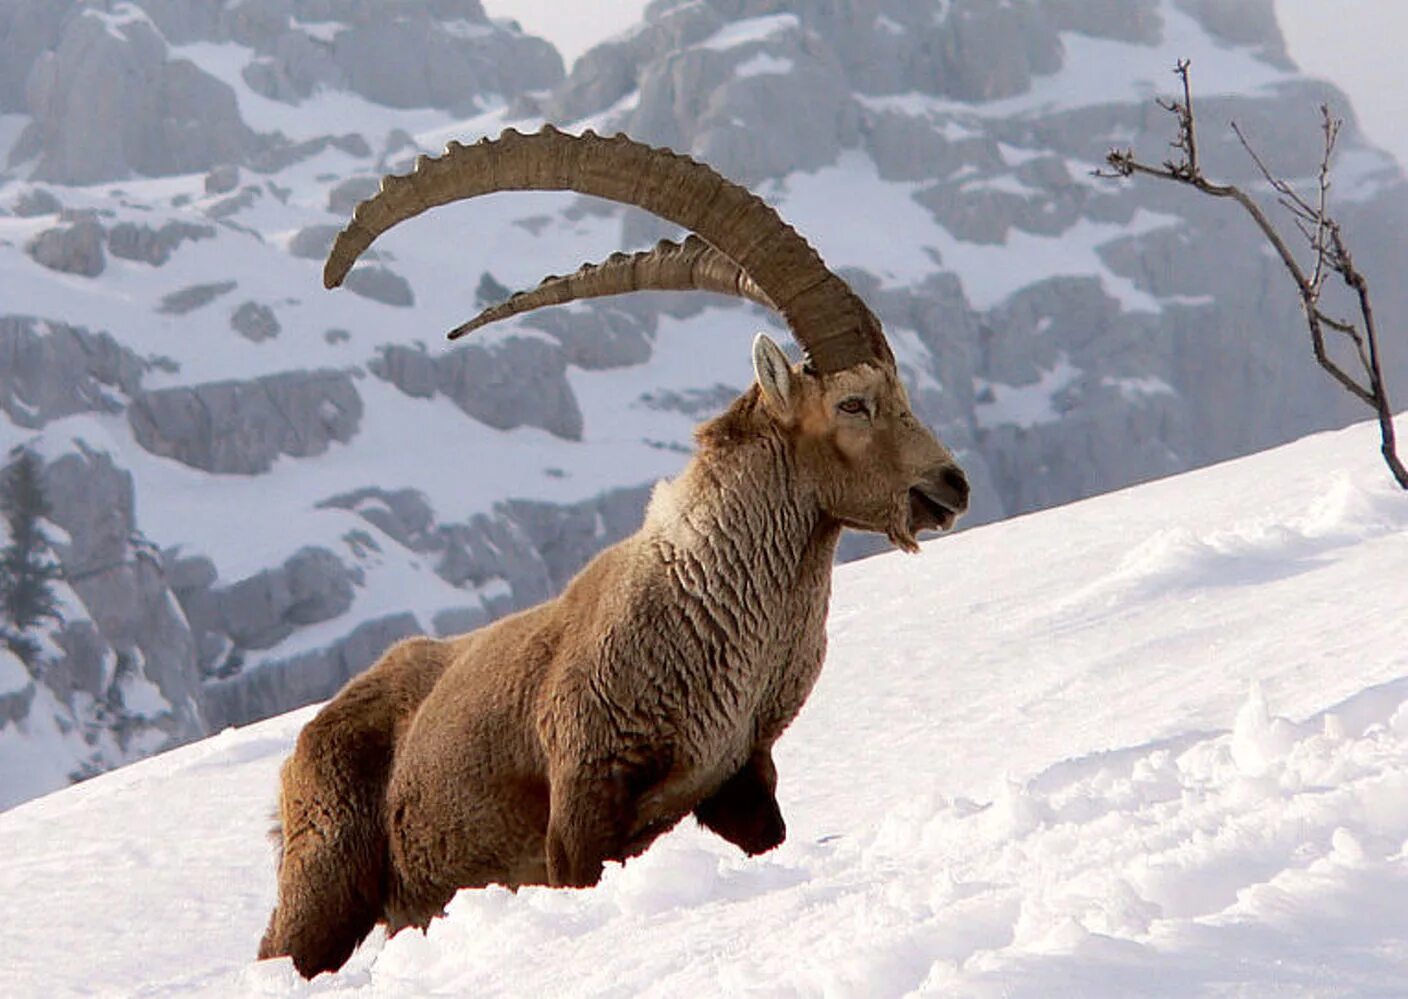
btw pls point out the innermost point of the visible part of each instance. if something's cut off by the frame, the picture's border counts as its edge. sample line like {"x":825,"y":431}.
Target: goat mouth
{"x":926,"y":513}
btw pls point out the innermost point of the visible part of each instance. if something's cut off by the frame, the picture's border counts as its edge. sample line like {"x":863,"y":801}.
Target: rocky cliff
{"x":257,"y":484}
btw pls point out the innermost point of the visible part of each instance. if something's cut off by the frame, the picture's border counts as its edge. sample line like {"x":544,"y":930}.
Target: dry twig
{"x":1313,"y":220}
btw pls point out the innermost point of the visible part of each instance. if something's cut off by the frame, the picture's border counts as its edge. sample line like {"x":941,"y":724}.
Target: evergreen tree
{"x":27,"y":571}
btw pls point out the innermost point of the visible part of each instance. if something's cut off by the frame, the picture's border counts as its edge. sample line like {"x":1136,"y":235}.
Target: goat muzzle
{"x":938,"y":500}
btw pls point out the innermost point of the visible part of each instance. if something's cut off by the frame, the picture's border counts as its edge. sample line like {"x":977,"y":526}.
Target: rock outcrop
{"x":120,"y":579}
{"x":162,"y":113}
{"x":71,"y":249}
{"x":159,"y":115}
{"x":239,"y":428}
{"x":154,"y":246}
{"x":516,"y":382}
{"x":49,"y":370}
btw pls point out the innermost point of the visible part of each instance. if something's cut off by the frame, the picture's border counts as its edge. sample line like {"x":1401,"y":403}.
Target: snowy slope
{"x":1153,"y":743}
{"x":1042,"y":319}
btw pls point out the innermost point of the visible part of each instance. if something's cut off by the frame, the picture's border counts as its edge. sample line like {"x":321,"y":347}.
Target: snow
{"x":750,"y":30}
{"x":322,"y":31}
{"x":121,"y":15}
{"x":14,"y":677}
{"x":1134,"y":389}
{"x":1004,"y":183}
{"x":1024,"y":405}
{"x":461,"y":28}
{"x":763,"y":64}
{"x":1147,"y":744}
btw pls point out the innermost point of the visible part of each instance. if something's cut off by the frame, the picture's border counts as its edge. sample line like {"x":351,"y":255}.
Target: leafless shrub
{"x":1330,"y":255}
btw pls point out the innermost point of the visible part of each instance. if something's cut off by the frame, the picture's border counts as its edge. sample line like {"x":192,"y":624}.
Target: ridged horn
{"x":693,"y":265}
{"x":828,"y":319}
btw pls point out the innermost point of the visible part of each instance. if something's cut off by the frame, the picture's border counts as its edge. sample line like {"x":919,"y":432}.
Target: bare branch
{"x":1320,"y":230}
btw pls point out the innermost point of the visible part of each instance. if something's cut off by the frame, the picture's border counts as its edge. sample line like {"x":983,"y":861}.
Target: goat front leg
{"x":744,"y":810}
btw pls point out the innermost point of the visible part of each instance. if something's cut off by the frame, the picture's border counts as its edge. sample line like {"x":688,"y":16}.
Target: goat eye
{"x":854,"y":405}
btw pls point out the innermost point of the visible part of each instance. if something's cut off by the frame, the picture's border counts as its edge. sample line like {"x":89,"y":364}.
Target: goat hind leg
{"x":329,"y":895}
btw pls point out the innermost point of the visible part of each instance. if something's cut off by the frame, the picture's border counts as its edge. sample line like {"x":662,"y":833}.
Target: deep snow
{"x":1153,"y":743}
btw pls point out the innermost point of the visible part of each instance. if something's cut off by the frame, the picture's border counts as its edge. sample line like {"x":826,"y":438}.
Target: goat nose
{"x":955,"y":480}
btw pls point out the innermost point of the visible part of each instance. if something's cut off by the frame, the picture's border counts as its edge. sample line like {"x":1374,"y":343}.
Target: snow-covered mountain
{"x":257,"y":485}
{"x":1149,"y":744}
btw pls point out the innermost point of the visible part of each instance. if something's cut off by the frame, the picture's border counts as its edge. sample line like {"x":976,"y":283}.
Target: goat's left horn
{"x":693,"y":265}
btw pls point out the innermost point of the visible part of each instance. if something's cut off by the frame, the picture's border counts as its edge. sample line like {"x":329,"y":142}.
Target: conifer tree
{"x":27,"y":570}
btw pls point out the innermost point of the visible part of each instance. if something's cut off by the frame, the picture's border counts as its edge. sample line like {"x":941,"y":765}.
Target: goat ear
{"x":774,"y":372}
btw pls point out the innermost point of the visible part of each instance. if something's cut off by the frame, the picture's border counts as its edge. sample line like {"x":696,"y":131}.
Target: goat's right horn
{"x":693,"y":265}
{"x":829,"y":320}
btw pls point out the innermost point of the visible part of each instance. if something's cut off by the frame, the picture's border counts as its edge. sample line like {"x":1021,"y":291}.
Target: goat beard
{"x":900,"y":533}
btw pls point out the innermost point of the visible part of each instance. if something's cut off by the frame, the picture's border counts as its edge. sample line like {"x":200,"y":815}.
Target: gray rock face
{"x":905,"y":147}
{"x":1243,"y":22}
{"x":1123,"y":20}
{"x":87,"y":664}
{"x":568,"y":536}
{"x":36,"y":201}
{"x":515,"y":382}
{"x":281,"y":685}
{"x":131,"y":241}
{"x":607,"y":72}
{"x":73,"y":249}
{"x":533,"y":547}
{"x":158,"y":116}
{"x":275,"y":153}
{"x":412,"y":63}
{"x":313,"y":242}
{"x":254,"y":321}
{"x":346,"y":195}
{"x":14,"y":707}
{"x":772,"y":104}
{"x":235,"y":203}
{"x":608,"y":335}
{"x":178,"y":303}
{"x":119,"y":577}
{"x":28,"y":29}
{"x":223,"y":179}
{"x":427,"y":53}
{"x":262,"y":610}
{"x":380,"y":285}
{"x":239,"y":428}
{"x":49,"y":370}
{"x":402,"y":514}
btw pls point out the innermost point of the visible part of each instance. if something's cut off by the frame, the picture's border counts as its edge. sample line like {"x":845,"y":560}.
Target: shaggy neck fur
{"x":742,"y":532}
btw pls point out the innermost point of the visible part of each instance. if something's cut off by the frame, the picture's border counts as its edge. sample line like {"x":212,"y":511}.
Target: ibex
{"x":539,"y":747}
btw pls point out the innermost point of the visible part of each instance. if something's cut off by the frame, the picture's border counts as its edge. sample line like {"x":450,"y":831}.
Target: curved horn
{"x":828,"y":319}
{"x":693,"y":265}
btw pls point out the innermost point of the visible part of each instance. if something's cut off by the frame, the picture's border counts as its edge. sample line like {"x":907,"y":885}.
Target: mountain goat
{"x":539,"y":747}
